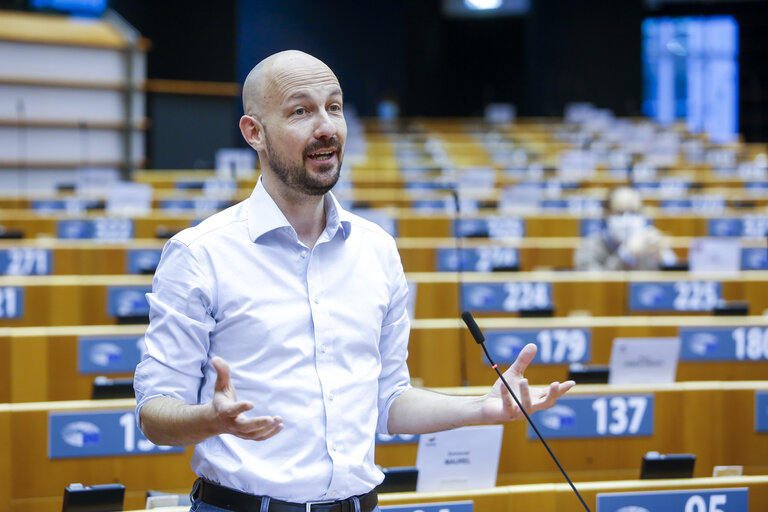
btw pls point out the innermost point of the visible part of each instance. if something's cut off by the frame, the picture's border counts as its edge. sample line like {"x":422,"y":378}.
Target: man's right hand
{"x":230,"y":412}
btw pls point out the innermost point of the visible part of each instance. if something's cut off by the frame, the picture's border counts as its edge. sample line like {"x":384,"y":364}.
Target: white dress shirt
{"x":317,"y":336}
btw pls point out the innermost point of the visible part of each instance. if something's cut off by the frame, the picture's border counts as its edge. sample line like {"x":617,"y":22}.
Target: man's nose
{"x":325,"y":126}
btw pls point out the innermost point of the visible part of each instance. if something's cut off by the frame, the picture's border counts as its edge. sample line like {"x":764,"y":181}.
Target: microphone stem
{"x":530,"y":422}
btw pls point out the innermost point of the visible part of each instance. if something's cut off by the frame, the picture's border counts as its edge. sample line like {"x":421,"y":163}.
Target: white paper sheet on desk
{"x":464,"y":458}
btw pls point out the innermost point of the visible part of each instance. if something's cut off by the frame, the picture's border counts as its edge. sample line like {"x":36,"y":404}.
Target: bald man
{"x":628,"y":241}
{"x":278,"y":329}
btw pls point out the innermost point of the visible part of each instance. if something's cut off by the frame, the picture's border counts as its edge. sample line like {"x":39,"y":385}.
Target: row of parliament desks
{"x":60,"y":363}
{"x":393,"y":176}
{"x":713,"y":194}
{"x":560,"y":498}
{"x":400,"y":222}
{"x":598,"y":433}
{"x":110,"y":299}
{"x":45,"y":256}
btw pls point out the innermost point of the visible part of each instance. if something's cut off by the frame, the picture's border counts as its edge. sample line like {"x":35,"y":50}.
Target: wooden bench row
{"x":560,"y":498}
{"x":715,"y":421}
{"x":88,"y":257}
{"x":407,"y":223}
{"x":103,"y":299}
{"x":60,"y":363}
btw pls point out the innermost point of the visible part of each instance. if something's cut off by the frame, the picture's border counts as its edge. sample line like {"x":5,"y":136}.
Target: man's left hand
{"x":498,"y":404}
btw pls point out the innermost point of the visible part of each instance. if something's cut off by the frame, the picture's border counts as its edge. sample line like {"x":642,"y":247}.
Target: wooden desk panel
{"x":430,"y":338}
{"x":82,"y":300}
{"x":410,"y":223}
{"x":67,"y":300}
{"x":41,"y":364}
{"x":599,"y":293}
{"x":85,"y":257}
{"x":689,"y":418}
{"x":44,"y":362}
{"x":36,"y":483}
{"x":558,"y":497}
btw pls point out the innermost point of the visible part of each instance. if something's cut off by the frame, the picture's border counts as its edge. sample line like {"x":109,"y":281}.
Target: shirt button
{"x":330,"y":397}
{"x":334,"y":494}
{"x":316,"y":300}
{"x":303,"y":254}
{"x":322,"y":349}
{"x":334,"y":447}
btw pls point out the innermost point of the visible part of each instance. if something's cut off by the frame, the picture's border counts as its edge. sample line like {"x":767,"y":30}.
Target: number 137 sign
{"x":596,"y":416}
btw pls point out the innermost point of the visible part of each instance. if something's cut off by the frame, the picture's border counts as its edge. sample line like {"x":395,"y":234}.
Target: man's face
{"x":304,"y":129}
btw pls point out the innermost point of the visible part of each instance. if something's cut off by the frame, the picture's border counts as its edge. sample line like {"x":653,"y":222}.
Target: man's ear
{"x":253,"y":132}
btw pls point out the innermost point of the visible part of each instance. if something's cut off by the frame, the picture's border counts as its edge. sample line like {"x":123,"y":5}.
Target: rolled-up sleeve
{"x":181,"y":320}
{"x":393,"y":347}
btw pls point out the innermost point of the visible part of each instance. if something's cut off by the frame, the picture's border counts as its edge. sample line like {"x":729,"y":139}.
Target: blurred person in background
{"x":627,"y":242}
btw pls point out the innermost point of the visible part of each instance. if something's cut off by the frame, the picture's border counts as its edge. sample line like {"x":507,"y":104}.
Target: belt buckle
{"x":310,"y":503}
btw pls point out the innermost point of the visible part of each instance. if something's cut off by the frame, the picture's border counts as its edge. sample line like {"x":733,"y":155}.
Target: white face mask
{"x":622,"y":226}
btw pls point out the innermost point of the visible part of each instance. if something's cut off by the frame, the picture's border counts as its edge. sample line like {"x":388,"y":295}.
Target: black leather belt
{"x":238,"y":501}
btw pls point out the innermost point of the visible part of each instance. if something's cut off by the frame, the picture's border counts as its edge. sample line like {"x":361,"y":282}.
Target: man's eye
{"x":335,"y":108}
{"x":300,"y":111}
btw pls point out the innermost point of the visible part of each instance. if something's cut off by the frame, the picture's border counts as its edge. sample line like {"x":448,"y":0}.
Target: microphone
{"x":477,"y":334}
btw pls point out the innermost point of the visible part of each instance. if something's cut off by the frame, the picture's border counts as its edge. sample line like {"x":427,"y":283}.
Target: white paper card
{"x":464,"y":458}
{"x":154,"y":502}
{"x":129,"y":199}
{"x":727,"y":470}
{"x":709,"y":254}
{"x":644,"y":360}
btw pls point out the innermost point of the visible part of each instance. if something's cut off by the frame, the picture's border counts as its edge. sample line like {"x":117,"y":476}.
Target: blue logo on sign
{"x":651,"y":295}
{"x":479,"y":296}
{"x":142,"y":260}
{"x":558,"y":417}
{"x":508,"y":346}
{"x":128,"y":301}
{"x":703,"y":344}
{"x":754,"y":258}
{"x":105,"y":355}
{"x":80,"y":434}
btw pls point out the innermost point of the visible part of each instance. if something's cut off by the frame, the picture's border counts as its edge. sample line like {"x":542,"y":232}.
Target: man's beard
{"x":297,"y":177}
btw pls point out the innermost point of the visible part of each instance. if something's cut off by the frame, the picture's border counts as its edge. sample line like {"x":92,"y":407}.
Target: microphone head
{"x":474,"y":329}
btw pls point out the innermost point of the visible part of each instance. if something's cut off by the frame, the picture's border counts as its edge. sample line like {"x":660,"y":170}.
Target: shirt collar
{"x":265,"y":216}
